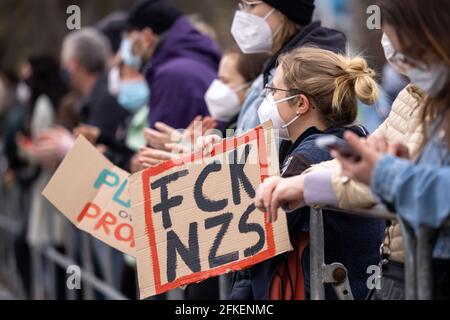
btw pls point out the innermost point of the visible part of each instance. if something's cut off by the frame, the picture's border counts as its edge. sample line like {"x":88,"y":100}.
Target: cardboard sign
{"x":196,"y":218}
{"x":93,"y":194}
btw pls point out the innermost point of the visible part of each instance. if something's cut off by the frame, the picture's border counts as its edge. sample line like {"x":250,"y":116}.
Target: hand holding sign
{"x":195,"y":218}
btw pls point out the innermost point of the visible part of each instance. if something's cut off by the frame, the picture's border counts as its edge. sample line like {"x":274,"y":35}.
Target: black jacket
{"x":350,"y":240}
{"x":101,"y":109}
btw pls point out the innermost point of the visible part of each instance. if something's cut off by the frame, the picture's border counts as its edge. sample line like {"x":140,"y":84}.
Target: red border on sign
{"x":227,"y":145}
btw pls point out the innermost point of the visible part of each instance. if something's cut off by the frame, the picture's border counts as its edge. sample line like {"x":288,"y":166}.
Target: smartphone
{"x":330,"y":143}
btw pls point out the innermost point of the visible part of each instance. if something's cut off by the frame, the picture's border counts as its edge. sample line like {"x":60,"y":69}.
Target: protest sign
{"x":195,"y":217}
{"x":93,"y":194}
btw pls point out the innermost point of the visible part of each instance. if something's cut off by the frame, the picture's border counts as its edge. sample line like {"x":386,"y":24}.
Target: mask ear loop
{"x":295,"y":118}
{"x":269,"y":14}
{"x":292,"y":121}
{"x":279,"y":28}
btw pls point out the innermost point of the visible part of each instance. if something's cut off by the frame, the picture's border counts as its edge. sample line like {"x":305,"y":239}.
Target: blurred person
{"x":324,"y":183}
{"x":314,"y":93}
{"x":277,"y":27}
{"x":405,"y":125}
{"x":18,"y":172}
{"x":226,"y":95}
{"x":180,"y":65}
{"x":180,"y":62}
{"x":84,"y":61}
{"x":418,"y":33}
{"x":84,"y":57}
{"x":224,"y":99}
{"x":132,"y":94}
{"x":45,"y":226}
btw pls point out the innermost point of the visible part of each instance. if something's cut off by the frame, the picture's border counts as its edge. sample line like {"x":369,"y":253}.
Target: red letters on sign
{"x":107,"y":223}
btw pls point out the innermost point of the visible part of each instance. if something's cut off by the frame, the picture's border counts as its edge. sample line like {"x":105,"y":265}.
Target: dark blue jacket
{"x":350,"y":240}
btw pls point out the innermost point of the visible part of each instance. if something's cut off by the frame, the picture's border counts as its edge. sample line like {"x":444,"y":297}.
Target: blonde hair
{"x":332,"y":82}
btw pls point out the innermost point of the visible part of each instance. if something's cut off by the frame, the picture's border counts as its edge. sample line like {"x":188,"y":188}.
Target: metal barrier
{"x":45,"y":260}
{"x":418,"y":257}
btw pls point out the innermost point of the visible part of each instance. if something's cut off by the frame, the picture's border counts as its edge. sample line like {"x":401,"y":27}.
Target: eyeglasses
{"x":404,"y":62}
{"x":272,"y":90}
{"x":248,"y":6}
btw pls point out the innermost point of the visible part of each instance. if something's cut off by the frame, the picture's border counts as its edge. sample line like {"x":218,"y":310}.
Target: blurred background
{"x":30,"y":27}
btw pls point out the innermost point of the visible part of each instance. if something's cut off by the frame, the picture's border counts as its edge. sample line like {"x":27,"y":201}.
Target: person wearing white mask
{"x":314,"y":93}
{"x":226,"y":94}
{"x":325,"y":184}
{"x":276,"y":27}
{"x":418,"y":32}
{"x":418,"y":50}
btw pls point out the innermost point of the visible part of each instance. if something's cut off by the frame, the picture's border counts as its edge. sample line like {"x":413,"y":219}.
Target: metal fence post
{"x":424,"y":272}
{"x":86,"y":254}
{"x":69,"y":245}
{"x":224,"y":286}
{"x":36,"y":273}
{"x":317,"y":254}
{"x":410,"y":261}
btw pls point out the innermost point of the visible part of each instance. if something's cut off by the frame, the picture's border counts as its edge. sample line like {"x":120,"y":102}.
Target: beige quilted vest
{"x":403,"y":125}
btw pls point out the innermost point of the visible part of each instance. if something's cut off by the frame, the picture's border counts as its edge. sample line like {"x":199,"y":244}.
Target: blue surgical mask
{"x":133,"y":95}
{"x":129,"y":58}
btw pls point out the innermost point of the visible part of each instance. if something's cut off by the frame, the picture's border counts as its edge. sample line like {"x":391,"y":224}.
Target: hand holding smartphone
{"x":330,"y":142}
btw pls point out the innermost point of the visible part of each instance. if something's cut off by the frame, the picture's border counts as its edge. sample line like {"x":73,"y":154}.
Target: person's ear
{"x":303,"y":105}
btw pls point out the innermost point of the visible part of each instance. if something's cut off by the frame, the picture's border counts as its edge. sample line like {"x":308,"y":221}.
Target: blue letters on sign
{"x":112,"y":180}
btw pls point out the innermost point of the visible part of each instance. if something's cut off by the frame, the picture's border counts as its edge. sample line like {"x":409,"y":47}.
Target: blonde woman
{"x":314,"y":93}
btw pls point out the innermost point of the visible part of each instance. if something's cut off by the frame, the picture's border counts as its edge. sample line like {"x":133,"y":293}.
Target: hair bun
{"x":365,"y":86}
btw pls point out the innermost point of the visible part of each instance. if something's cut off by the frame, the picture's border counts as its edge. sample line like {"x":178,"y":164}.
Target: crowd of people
{"x":143,"y":86}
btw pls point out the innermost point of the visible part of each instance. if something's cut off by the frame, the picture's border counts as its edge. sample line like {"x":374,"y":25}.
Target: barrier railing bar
{"x":317,"y":254}
{"x":409,"y":241}
{"x":88,"y":277}
{"x":424,"y":272}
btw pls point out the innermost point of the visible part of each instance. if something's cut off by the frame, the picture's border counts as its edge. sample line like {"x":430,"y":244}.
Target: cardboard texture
{"x":93,"y":194}
{"x":194,"y":219}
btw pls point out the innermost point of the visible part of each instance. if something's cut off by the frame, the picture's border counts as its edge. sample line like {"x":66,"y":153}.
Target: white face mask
{"x":223,"y":101}
{"x":252,"y":33}
{"x":431,"y":81}
{"x":389,"y":52}
{"x":269,"y":111}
